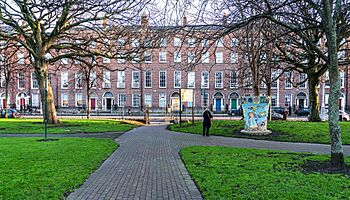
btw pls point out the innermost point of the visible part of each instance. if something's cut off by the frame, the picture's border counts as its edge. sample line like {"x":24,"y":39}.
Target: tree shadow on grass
{"x":323,"y":167}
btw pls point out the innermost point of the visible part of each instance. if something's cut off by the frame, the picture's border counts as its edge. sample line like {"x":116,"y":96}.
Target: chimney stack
{"x":144,"y":20}
{"x":184,"y":21}
{"x":104,"y":23}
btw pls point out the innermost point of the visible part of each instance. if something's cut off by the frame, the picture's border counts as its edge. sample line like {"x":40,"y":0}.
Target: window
{"x":78,"y":80}
{"x":35,"y":100}
{"x":35,"y":84}
{"x":205,"y":57}
{"x":162,"y":79}
{"x":106,"y":79}
{"x":120,"y":43}
{"x":162,"y":56}
{"x":148,"y":57}
{"x":79,"y":100}
{"x":135,"y":43}
{"x":205,"y":43}
{"x":162,"y":100}
{"x":148,"y":79}
{"x":288,"y":77}
{"x":148,"y":42}
{"x":191,"y":80}
{"x":93,"y":80}
{"x":163,"y":42}
{"x":191,"y":42}
{"x":233,"y":79}
{"x":219,"y":57}
{"x":106,"y":60}
{"x":177,"y":79}
{"x":2,"y":80}
{"x":135,"y":79}
{"x":148,"y":100}
{"x":64,"y":80}
{"x":121,"y":100}
{"x":64,"y":100}
{"x":177,"y":42}
{"x":273,"y":101}
{"x":121,"y":79}
{"x":205,"y":100}
{"x":177,"y":56}
{"x":20,"y":57}
{"x":234,"y":42}
{"x":21,"y":80}
{"x":274,"y":83}
{"x":301,"y":79}
{"x":218,"y":80}
{"x":135,"y":100}
{"x":327,"y":79}
{"x":248,"y":79}
{"x":220,"y":42}
{"x":288,"y":98}
{"x":205,"y":80}
{"x":120,"y":58}
{"x":190,"y":57}
{"x":234,"y":57}
{"x":135,"y":58}
{"x":342,"y":79}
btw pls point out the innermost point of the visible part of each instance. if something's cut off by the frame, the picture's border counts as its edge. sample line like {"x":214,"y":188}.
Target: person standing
{"x":206,"y":122}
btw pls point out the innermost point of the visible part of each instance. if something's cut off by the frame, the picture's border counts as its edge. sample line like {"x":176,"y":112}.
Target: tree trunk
{"x":50,"y":115}
{"x":6,"y":99}
{"x":88,"y":104}
{"x":313,"y":99}
{"x":337,"y":154}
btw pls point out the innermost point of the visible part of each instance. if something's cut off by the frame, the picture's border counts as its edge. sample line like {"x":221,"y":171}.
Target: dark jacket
{"x":207,"y":118}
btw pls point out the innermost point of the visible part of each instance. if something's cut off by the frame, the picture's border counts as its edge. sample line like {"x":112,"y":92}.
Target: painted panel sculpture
{"x":255,"y":112}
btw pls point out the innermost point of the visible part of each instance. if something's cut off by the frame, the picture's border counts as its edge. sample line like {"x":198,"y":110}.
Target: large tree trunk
{"x":337,"y":154}
{"x":6,"y":99}
{"x":50,"y":114}
{"x":313,"y":99}
{"x":88,"y":104}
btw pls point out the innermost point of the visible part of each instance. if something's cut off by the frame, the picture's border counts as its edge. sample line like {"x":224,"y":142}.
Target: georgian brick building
{"x":155,"y":82}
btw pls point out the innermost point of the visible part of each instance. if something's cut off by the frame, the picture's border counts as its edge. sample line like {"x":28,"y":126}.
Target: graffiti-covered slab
{"x":255,"y":111}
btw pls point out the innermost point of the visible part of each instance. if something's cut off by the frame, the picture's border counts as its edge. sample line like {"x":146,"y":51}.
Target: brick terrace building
{"x":155,"y":82}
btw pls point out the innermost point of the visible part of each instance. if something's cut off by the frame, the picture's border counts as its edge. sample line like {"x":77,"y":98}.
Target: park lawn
{"x":235,"y":173}
{"x":67,"y":126}
{"x":286,"y":131}
{"x":48,"y":170}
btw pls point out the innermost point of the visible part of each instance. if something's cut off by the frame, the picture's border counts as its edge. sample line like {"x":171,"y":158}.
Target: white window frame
{"x":234,"y":57}
{"x":219,"y":57}
{"x":63,"y":82}
{"x":121,"y":79}
{"x":20,"y":57}
{"x":62,"y":100}
{"x":133,"y":100}
{"x":32,"y":81}
{"x":106,"y":60}
{"x":163,"y":42}
{"x":177,"y":57}
{"x":233,"y":79}
{"x":234,"y":42}
{"x":217,"y":84}
{"x":148,"y":54}
{"x":162,"y":103}
{"x":191,"y":57}
{"x":204,"y":84}
{"x":177,"y":42}
{"x":177,"y":75}
{"x":93,"y":79}
{"x":76,"y":76}
{"x":162,"y":56}
{"x":290,"y":100}
{"x":35,"y":100}
{"x":2,"y":80}
{"x":191,"y":80}
{"x":135,"y":83}
{"x":165,"y":79}
{"x":106,"y":79}
{"x":301,"y":78}
{"x":148,"y":100}
{"x":121,"y":101}
{"x":191,"y":42}
{"x":205,"y":57}
{"x":19,"y":79}
{"x":76,"y":100}
{"x":220,"y":42}
{"x":150,"y":79}
{"x":207,"y":100}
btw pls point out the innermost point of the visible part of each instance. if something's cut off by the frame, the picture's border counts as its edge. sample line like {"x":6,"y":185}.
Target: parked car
{"x":12,"y":113}
{"x":276,"y":116}
{"x":343,"y":116}
{"x":303,"y":112}
{"x":279,"y":110}
{"x":236,"y":112}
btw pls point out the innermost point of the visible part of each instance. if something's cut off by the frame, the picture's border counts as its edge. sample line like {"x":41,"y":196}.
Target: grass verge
{"x":235,"y":173}
{"x":286,"y":131}
{"x":48,"y":170}
{"x":67,"y":126}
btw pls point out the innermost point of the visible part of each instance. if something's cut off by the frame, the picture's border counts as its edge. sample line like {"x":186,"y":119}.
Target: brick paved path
{"x":147,"y":165}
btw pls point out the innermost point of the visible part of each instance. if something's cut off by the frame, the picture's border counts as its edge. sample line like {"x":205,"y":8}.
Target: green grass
{"x":234,"y":173}
{"x":287,"y":131}
{"x":48,"y":170}
{"x":67,"y":126}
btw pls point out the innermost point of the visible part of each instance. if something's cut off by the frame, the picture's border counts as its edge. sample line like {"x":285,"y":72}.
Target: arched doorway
{"x":21,"y":101}
{"x":301,"y":100}
{"x":233,"y":101}
{"x":107,"y":101}
{"x":3,"y":100}
{"x":218,"y":99}
{"x":175,"y":101}
{"x":93,"y":101}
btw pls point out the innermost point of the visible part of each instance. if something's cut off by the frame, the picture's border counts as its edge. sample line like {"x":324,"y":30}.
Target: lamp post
{"x":45,"y":107}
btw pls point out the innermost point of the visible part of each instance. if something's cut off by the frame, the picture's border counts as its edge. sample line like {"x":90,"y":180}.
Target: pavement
{"x":147,"y":165}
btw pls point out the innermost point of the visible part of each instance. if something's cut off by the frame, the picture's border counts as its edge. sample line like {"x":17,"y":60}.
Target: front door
{"x":340,"y":104}
{"x":301,"y":103}
{"x":218,"y":104}
{"x":22,"y":103}
{"x":233,"y":104}
{"x":92,"y":104}
{"x":109,"y":104}
{"x":3,"y":103}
